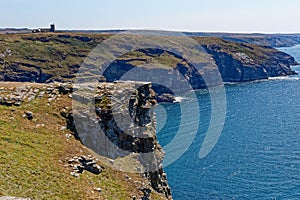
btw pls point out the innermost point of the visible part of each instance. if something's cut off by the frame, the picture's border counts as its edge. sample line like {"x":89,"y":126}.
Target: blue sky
{"x":267,"y":16}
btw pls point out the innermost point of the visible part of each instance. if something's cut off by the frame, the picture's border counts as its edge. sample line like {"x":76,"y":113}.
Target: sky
{"x":259,"y":16}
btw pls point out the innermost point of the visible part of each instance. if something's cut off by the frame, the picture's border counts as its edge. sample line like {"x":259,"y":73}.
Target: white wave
{"x":284,"y":78}
{"x":179,"y":99}
{"x":279,"y":78}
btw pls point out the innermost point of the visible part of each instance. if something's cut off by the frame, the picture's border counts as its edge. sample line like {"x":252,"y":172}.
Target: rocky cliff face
{"x":235,"y":62}
{"x":45,"y":58}
{"x":236,"y":66}
{"x":123,"y":130}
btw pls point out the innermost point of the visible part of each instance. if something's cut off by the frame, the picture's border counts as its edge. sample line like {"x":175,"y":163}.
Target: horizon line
{"x":155,"y":29}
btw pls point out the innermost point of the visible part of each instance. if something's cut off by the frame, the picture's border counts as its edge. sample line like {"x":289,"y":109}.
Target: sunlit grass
{"x":33,"y":159}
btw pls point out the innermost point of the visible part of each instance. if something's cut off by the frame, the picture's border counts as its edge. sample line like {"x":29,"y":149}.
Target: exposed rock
{"x":146,"y":192}
{"x":18,"y":103}
{"x":74,"y":174}
{"x":166,"y":98}
{"x":105,"y":134}
{"x":98,"y":189}
{"x":13,"y":198}
{"x":82,"y":163}
{"x":7,"y":52}
{"x":24,"y":72}
{"x":159,"y":182}
{"x":15,"y":96}
{"x":28,"y":115}
{"x":232,"y":59}
{"x":68,"y":136}
{"x":65,"y":88}
{"x":240,"y":67}
{"x":40,"y":125}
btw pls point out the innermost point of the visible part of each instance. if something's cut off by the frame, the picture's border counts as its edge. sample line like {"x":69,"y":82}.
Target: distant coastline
{"x":265,"y":39}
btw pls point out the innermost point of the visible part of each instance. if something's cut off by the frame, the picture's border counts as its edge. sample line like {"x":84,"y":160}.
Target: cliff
{"x":246,"y":62}
{"x":46,"y":58}
{"x":45,"y":154}
{"x":271,"y":40}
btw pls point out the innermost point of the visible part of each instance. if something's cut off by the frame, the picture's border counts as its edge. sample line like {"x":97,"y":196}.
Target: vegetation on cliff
{"x":49,"y":57}
{"x":38,"y":152}
{"x":36,"y":148}
{"x":271,"y":40}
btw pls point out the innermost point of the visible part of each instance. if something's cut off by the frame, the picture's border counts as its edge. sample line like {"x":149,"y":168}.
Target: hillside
{"x":42,"y":159}
{"x":50,"y":57}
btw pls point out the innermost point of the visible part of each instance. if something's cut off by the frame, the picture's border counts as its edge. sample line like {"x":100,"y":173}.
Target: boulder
{"x":28,"y":115}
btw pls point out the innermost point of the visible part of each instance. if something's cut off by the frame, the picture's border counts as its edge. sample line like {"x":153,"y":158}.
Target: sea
{"x":257,"y":152}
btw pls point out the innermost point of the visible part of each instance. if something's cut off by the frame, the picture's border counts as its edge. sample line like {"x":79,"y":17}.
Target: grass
{"x":30,"y":156}
{"x":52,"y":53}
{"x":258,"y":53}
{"x":32,"y":160}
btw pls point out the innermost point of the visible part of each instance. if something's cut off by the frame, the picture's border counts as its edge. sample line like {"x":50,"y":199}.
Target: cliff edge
{"x":45,"y":154}
{"x":57,"y":57}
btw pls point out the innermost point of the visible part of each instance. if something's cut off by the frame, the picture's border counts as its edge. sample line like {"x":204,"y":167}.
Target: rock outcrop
{"x":240,"y":67}
{"x":57,"y":57}
{"x":84,"y":163}
{"x":123,"y":129}
{"x":16,"y":95}
{"x":13,"y":198}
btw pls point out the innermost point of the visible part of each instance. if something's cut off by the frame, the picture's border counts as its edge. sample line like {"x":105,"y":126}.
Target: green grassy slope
{"x":34,"y":157}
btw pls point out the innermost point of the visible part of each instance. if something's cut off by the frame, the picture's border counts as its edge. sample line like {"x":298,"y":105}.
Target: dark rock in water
{"x":166,"y":98}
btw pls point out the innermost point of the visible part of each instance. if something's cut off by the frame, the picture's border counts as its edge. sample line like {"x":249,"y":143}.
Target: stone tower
{"x":52,"y":28}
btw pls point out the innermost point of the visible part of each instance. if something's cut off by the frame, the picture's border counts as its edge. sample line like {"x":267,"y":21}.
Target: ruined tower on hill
{"x":52,"y":28}
{"x":45,"y":30}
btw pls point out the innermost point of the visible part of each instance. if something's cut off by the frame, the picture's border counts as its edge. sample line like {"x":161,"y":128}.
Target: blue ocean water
{"x":258,"y":153}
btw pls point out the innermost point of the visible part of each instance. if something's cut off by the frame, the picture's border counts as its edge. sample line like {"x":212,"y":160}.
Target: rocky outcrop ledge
{"x":256,"y":64}
{"x":123,"y":129}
